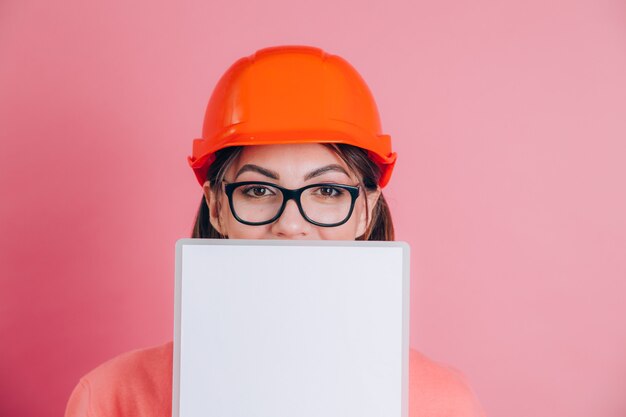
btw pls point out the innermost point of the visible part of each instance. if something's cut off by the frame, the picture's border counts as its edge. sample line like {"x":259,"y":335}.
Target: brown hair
{"x":380,"y":226}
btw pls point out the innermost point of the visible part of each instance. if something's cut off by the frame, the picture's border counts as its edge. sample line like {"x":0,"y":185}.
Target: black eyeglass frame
{"x":289,"y":194}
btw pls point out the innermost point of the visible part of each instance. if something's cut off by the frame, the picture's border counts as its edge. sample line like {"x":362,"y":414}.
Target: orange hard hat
{"x":291,"y":94}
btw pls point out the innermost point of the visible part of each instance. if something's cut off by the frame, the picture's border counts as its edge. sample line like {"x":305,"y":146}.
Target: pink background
{"x":509,"y":119}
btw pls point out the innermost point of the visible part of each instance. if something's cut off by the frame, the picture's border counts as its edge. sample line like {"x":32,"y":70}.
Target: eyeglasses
{"x":256,"y":203}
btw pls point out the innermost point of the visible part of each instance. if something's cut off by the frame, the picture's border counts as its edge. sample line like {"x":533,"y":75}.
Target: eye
{"x":257,"y":191}
{"x":329,"y":191}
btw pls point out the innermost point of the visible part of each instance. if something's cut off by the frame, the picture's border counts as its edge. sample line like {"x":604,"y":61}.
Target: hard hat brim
{"x":204,"y":150}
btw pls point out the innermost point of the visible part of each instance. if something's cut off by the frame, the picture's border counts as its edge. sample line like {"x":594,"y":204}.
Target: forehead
{"x":289,"y":159}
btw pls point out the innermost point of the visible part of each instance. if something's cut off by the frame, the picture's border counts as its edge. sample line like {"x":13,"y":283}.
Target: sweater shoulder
{"x":133,"y":383}
{"x":135,"y":366}
{"x":438,"y":389}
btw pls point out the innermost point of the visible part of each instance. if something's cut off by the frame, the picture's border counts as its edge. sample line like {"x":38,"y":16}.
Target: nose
{"x":291,"y":224}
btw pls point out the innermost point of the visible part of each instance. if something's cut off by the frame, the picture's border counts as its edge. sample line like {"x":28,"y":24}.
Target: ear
{"x":215,"y":209}
{"x":372,"y":199}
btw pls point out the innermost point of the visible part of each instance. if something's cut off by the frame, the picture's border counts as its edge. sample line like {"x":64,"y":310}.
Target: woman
{"x":291,"y":149}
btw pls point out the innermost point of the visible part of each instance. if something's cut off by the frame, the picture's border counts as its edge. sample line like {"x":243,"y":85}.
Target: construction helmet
{"x":291,"y":94}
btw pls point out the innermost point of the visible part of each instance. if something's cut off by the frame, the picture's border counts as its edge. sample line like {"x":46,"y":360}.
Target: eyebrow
{"x":322,"y":170}
{"x":274,"y":175}
{"x":255,"y":168}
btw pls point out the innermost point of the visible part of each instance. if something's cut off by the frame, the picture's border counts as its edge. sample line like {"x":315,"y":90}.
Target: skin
{"x":291,"y":164}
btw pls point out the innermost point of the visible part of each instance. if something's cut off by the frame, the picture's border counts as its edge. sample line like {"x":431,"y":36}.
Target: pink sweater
{"x":139,"y":384}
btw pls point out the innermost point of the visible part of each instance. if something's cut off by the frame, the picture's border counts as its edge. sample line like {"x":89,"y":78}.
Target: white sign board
{"x":291,"y":329}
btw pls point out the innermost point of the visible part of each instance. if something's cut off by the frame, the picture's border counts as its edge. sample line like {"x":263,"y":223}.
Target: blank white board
{"x":291,"y":329}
